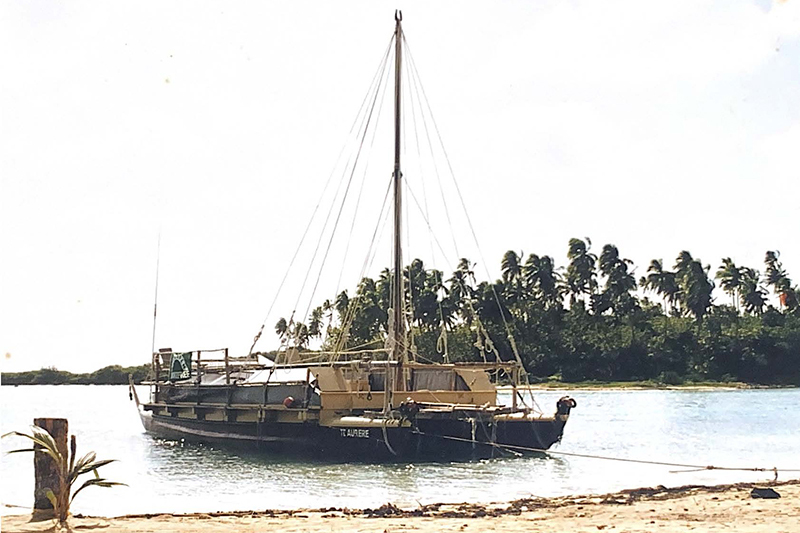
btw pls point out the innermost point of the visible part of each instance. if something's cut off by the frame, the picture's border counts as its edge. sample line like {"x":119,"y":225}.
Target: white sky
{"x":654,"y":126}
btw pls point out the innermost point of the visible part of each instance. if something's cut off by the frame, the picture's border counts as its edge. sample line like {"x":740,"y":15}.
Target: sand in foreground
{"x":719,"y":508}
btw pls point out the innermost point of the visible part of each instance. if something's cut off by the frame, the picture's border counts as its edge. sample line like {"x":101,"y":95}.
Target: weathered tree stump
{"x":44,"y":467}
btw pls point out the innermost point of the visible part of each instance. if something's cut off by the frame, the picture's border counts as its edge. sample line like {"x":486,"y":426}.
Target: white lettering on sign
{"x":354,"y":433}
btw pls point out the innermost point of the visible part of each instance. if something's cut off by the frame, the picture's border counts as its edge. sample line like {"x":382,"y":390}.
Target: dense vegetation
{"x":110,"y":375}
{"x":591,"y":320}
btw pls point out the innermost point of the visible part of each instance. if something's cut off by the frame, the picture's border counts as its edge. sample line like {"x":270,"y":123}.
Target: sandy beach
{"x":688,"y":508}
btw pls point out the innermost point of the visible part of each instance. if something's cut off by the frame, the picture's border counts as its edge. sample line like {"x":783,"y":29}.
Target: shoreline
{"x":703,"y":507}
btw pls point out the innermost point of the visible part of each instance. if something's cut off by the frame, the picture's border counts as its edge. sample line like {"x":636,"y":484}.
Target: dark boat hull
{"x":425,"y":440}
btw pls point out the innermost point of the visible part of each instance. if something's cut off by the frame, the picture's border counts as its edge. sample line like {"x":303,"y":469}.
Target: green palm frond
{"x":41,"y":438}
{"x":96,"y":482}
{"x":69,"y":468}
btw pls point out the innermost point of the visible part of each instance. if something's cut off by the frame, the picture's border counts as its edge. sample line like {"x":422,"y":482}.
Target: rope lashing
{"x":513,"y":344}
{"x":441,"y":345}
{"x":386,"y":438}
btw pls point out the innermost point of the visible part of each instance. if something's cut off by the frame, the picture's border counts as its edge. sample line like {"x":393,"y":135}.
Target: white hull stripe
{"x":149,"y":420}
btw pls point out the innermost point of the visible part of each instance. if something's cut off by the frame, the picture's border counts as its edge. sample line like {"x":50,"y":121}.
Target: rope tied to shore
{"x":684,"y":467}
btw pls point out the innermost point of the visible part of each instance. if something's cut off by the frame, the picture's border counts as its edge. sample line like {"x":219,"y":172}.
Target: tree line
{"x":109,"y":375}
{"x":588,"y":320}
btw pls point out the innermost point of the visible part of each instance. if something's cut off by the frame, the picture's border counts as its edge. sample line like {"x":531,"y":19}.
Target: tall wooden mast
{"x":399,"y":327}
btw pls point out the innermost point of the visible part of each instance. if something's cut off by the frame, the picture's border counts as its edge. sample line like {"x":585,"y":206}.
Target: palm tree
{"x":415,"y":279}
{"x":384,"y":289}
{"x":461,"y":288}
{"x":511,"y":266}
{"x":730,"y":279}
{"x":609,"y":257}
{"x":581,"y":270}
{"x":774,"y":272}
{"x":683,"y":265}
{"x":695,"y":287}
{"x":315,"y":324}
{"x":300,"y":335}
{"x":327,"y":309}
{"x":777,"y":278}
{"x":541,"y":276}
{"x":682,"y":269}
{"x":619,"y":282}
{"x":753,"y":293}
{"x":662,"y":282}
{"x":365,"y":318}
{"x":281,"y":328}
{"x":341,"y":305}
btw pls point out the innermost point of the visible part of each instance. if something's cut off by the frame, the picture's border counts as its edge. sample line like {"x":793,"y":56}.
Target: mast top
{"x":398,"y":15}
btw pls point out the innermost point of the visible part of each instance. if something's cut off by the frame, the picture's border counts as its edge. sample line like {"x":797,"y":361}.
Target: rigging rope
{"x":319,"y":201}
{"x":441,"y":341}
{"x":409,"y":316}
{"x":347,"y":320}
{"x":417,"y":85}
{"x":469,"y":220}
{"x":344,"y":197}
{"x":363,"y":179}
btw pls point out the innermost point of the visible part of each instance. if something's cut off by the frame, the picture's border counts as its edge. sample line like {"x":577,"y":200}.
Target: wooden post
{"x":45,"y":469}
{"x":157,"y":358}
{"x":514,"y":381}
{"x":227,"y":369}
{"x":228,"y":391}
{"x":198,"y":367}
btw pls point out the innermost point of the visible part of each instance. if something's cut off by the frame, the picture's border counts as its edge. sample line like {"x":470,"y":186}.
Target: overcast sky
{"x":656,"y":126}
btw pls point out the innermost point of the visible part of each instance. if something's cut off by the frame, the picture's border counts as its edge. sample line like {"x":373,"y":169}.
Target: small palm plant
{"x":69,"y":469}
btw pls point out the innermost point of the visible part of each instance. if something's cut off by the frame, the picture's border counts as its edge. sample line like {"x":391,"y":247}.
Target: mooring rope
{"x":690,"y":467}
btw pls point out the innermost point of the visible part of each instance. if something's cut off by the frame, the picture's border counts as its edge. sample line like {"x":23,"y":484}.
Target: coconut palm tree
{"x":777,"y":278}
{"x":683,"y":265}
{"x":542,"y":278}
{"x":461,"y":288}
{"x":300,"y":335}
{"x":730,"y":279}
{"x":427,"y":311}
{"x":512,"y":275}
{"x":281,"y":328}
{"x":753,"y":293}
{"x":315,"y":324}
{"x":662,"y":282}
{"x":682,"y":268}
{"x":327,"y":310}
{"x":619,"y":282}
{"x":341,"y":305}
{"x":774,"y":272}
{"x":695,"y":287}
{"x":364,"y":314}
{"x":511,"y":266}
{"x":416,"y":289}
{"x":581,"y":270}
{"x":384,"y":288}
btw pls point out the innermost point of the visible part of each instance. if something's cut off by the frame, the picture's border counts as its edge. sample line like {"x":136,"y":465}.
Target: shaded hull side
{"x":437,"y":439}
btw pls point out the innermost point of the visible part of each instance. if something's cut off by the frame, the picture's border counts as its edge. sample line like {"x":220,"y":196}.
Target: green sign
{"x":181,"y":366}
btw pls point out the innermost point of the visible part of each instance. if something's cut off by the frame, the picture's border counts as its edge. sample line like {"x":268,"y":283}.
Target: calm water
{"x":728,"y":428}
